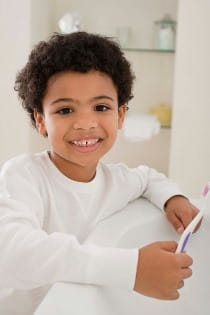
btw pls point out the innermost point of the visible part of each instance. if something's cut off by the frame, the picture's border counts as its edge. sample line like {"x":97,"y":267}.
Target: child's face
{"x":81,"y":118}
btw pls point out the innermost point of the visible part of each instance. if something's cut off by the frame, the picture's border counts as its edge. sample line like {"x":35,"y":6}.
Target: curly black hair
{"x":79,"y":51}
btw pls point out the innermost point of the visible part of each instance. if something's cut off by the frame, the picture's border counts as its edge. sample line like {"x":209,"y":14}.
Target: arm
{"x":30,"y":257}
{"x":161,"y":272}
{"x":147,"y":182}
{"x":166,"y":195}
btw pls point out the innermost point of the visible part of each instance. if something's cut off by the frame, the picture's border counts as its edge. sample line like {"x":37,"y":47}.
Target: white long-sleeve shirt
{"x":45,"y":218}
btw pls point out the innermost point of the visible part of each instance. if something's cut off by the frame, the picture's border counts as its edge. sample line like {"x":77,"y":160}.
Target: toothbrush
{"x":184,"y":239}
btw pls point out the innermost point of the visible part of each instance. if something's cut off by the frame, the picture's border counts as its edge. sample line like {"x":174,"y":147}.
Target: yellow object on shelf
{"x":163,"y":112}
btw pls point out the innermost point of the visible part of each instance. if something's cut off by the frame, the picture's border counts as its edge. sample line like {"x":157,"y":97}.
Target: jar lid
{"x":166,"y":20}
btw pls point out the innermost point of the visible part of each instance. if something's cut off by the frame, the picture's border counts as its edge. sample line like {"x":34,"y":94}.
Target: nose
{"x":85,"y":122}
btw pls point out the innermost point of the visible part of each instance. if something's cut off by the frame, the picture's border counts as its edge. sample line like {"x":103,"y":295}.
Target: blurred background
{"x":167,"y":43}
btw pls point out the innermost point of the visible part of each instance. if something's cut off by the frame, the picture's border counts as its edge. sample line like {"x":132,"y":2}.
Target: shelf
{"x":165,"y":127}
{"x":149,"y":50}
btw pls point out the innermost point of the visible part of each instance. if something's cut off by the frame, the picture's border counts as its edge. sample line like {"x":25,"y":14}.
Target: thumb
{"x":176,"y":222}
{"x":169,"y":246}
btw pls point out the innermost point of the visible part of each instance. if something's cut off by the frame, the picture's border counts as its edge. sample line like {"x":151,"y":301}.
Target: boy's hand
{"x":180,"y":212}
{"x":160,"y":272}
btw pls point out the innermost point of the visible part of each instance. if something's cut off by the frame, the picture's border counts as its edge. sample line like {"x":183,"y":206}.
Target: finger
{"x":174,"y":295}
{"x":180,"y":285}
{"x":185,"y":260}
{"x":186,"y":273}
{"x":186,"y":218}
{"x":195,"y":210}
{"x":169,"y":246}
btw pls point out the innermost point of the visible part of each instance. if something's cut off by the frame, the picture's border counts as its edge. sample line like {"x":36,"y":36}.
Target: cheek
{"x":112,"y":127}
{"x":55,"y":128}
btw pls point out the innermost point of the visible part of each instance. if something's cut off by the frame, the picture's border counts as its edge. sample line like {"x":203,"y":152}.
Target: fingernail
{"x":180,"y":229}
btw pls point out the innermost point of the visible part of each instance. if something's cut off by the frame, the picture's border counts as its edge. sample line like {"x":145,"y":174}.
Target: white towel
{"x":140,"y":127}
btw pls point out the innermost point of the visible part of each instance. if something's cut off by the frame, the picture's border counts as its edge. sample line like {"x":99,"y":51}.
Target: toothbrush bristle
{"x":206,"y":189}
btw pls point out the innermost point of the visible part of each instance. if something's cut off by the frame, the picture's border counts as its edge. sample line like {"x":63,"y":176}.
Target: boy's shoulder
{"x":122,"y":167}
{"x":118,"y":170}
{"x":22,"y":162}
{"x":114,"y":167}
{"x":121,"y":171}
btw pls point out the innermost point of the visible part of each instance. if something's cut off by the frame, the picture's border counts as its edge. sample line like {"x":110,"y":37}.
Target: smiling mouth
{"x":86,"y":142}
{"x":86,"y":145}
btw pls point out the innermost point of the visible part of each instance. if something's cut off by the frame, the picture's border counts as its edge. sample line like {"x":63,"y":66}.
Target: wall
{"x":42,"y":19}
{"x":153,"y":152}
{"x":15,"y":46}
{"x":190,"y":149}
{"x":22,"y":23}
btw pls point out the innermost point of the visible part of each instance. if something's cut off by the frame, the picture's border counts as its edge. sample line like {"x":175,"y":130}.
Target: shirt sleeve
{"x":144,"y":181}
{"x":157,"y":187}
{"x":30,"y":257}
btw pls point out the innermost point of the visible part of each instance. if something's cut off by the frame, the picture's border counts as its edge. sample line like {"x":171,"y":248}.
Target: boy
{"x":76,"y":88}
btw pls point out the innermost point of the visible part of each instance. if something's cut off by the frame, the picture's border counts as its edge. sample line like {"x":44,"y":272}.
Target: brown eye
{"x":65,"y":111}
{"x":102,"y":108}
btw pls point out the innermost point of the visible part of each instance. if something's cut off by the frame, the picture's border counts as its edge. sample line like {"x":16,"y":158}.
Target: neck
{"x":73,"y":171}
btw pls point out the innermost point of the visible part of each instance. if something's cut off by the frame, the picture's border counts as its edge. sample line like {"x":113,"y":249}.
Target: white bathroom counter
{"x":140,"y":223}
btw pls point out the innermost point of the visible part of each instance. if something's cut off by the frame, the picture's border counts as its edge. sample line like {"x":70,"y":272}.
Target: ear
{"x":121,"y":115}
{"x":40,"y":123}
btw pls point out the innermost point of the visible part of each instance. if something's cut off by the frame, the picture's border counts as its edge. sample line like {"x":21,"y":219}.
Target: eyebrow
{"x":69,"y":99}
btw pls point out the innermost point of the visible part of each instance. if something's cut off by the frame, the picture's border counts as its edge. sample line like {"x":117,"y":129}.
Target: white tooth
{"x":85,"y":142}
{"x":93,"y":141}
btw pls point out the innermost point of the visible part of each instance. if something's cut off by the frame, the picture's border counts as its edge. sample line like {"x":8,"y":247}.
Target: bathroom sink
{"x":140,"y":223}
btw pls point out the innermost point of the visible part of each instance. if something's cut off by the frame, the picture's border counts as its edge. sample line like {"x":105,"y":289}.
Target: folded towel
{"x":140,"y":127}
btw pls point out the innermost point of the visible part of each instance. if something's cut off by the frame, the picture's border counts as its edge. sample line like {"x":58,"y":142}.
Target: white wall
{"x":15,"y":46}
{"x":190,"y":148}
{"x":42,"y":19}
{"x":22,"y":23}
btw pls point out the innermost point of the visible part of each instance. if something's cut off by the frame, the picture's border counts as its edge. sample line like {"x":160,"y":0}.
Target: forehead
{"x":80,"y":85}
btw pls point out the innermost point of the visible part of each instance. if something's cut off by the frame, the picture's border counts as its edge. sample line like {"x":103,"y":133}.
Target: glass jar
{"x":165,"y":33}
